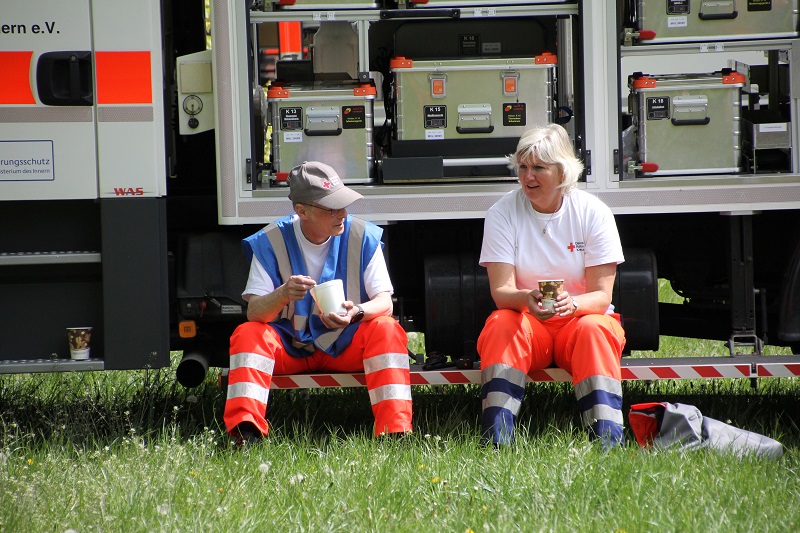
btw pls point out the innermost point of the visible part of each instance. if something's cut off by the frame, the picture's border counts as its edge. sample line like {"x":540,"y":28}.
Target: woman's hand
{"x":564,"y":305}
{"x":535,"y":306}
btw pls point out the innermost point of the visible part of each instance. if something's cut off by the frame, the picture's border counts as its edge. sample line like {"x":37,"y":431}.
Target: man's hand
{"x":296,"y":287}
{"x":335,"y":320}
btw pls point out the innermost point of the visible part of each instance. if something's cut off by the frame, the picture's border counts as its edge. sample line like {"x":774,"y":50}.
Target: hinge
{"x":253,"y":168}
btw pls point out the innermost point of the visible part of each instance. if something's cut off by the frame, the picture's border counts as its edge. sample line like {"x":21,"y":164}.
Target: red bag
{"x":664,"y":425}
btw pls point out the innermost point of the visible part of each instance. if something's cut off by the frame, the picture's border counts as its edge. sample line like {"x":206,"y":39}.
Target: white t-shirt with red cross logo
{"x":560,"y":245}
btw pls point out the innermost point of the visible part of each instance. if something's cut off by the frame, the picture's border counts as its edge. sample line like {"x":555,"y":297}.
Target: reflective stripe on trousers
{"x":589,"y":347}
{"x":501,"y":396}
{"x":379,"y":349}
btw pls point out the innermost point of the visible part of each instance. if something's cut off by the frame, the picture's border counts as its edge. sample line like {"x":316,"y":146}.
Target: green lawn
{"x":135,"y":451}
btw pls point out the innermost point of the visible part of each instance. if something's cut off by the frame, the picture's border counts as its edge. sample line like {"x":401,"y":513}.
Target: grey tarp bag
{"x":664,"y":425}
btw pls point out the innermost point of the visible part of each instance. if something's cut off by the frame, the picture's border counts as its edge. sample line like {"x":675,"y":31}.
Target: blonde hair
{"x":550,"y":144}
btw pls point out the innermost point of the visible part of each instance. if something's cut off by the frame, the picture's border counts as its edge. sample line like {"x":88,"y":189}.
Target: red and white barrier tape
{"x":717,"y":369}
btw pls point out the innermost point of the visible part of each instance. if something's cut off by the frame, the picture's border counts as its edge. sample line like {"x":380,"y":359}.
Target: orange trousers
{"x":514,"y":344}
{"x":379,"y":349}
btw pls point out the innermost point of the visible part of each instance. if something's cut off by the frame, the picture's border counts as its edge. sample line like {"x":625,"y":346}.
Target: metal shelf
{"x":49,"y":365}
{"x":706,"y":47}
{"x":375,"y":15}
{"x":48,"y":258}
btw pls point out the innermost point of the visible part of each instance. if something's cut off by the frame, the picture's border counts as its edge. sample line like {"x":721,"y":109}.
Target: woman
{"x":548,"y":229}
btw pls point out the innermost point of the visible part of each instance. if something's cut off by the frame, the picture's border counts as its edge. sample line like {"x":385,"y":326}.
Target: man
{"x":284,"y":334}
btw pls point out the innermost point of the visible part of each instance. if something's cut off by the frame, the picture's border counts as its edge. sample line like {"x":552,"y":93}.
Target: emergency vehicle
{"x":141,"y":141}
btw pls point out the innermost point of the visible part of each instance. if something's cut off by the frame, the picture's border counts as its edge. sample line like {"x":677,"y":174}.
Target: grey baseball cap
{"x":317,"y":183}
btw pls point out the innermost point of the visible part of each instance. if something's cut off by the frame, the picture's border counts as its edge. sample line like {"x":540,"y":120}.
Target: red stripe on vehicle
{"x":16,"y":85}
{"x":124,"y":78}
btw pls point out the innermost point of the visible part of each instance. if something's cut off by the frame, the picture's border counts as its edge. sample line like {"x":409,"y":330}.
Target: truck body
{"x":134,"y":158}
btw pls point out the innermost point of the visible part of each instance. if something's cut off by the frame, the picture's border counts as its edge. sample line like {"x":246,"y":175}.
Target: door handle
{"x":65,"y":78}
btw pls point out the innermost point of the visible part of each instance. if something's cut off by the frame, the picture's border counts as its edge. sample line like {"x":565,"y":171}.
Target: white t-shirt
{"x":582,"y":233}
{"x":376,"y":275}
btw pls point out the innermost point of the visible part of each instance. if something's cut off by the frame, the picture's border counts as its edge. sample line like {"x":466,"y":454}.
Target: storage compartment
{"x":473,"y":3}
{"x":672,"y":21}
{"x":50,"y":278}
{"x":469,"y":98}
{"x":323,"y":121}
{"x":468,"y":113}
{"x":766,"y":143}
{"x":323,"y":4}
{"x":687,"y":123}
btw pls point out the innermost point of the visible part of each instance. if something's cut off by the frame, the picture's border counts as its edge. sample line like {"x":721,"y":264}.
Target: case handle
{"x":690,"y":110}
{"x":387,"y":14}
{"x":487,"y":129}
{"x":690,"y":121}
{"x":322,"y":121}
{"x":322,"y":133}
{"x":718,"y":10}
{"x":718,"y":16}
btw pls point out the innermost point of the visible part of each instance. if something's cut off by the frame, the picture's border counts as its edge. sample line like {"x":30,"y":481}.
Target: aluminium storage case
{"x":688,"y":123}
{"x":472,"y":98}
{"x":323,"y":121}
{"x":325,"y":4}
{"x":692,"y":20}
{"x":475,"y":3}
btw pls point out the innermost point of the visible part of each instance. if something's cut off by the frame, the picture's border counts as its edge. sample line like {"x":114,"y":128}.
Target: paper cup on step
{"x":79,"y":340}
{"x":330,"y":297}
{"x":550,"y":289}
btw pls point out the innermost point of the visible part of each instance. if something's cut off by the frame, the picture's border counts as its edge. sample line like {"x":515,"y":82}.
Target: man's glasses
{"x":333,"y":212}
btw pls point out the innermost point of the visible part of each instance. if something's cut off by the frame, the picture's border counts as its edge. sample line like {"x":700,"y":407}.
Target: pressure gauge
{"x":192,"y":104}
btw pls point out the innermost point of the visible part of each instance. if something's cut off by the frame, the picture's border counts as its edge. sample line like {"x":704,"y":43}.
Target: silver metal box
{"x":766,"y":142}
{"x":696,"y":20}
{"x":688,"y":123}
{"x":472,"y":98}
{"x":325,"y":4}
{"x":476,"y":3}
{"x":330,"y":122}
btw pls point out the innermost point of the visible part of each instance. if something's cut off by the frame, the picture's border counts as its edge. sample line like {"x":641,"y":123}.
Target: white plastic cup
{"x":79,"y":340}
{"x":330,"y":297}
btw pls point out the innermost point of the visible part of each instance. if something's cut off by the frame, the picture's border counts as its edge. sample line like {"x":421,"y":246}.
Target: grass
{"x":135,"y":451}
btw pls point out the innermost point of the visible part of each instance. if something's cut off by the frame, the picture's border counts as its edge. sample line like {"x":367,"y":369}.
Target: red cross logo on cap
{"x":326,"y":184}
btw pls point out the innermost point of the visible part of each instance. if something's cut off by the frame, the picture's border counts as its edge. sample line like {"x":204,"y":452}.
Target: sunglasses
{"x":333,"y":212}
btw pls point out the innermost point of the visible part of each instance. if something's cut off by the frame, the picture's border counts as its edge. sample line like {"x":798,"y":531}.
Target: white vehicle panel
{"x":131,"y":150}
{"x":47,"y":151}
